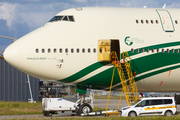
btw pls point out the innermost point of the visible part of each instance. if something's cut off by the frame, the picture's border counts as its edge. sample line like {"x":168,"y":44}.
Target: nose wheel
{"x":84,"y":108}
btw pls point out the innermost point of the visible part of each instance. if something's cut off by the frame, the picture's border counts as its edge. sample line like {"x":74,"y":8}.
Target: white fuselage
{"x":155,"y":70}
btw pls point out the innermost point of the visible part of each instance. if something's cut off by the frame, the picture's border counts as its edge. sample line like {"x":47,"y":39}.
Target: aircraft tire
{"x":85,"y":108}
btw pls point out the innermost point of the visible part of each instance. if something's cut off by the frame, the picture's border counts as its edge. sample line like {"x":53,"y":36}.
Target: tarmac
{"x":101,"y":103}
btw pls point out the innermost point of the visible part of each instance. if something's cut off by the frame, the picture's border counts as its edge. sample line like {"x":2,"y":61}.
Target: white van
{"x":151,"y":106}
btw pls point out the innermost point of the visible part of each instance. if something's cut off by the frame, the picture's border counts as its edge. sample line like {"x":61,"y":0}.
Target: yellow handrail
{"x":131,"y":91}
{"x":132,"y":83}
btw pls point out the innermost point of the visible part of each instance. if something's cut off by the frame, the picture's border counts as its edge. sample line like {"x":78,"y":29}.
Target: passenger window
{"x":157,"y":50}
{"x":65,"y":18}
{"x":132,"y":50}
{"x":71,"y":18}
{"x":77,"y":50}
{"x":147,"y":103}
{"x":157,"y":22}
{"x":43,"y":50}
{"x":152,"y":21}
{"x":137,"y":21}
{"x":100,"y":50}
{"x":167,"y":50}
{"x":137,"y":50}
{"x":60,"y":50}
{"x":147,"y":21}
{"x":37,"y":50}
{"x":172,"y":50}
{"x":147,"y":50}
{"x":142,"y":50}
{"x":168,"y":101}
{"x":144,"y":103}
{"x":94,"y":50}
{"x":55,"y":51}
{"x":72,"y":50}
{"x":162,"y":50}
{"x":89,"y":50}
{"x":156,"y":102}
{"x":177,"y":50}
{"x":176,"y":21}
{"x":142,"y":21}
{"x":152,"y":50}
{"x":83,"y":50}
{"x":49,"y":50}
{"x":66,"y":50}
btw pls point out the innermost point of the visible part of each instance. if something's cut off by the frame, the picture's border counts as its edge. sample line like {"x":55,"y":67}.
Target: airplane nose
{"x":12,"y":54}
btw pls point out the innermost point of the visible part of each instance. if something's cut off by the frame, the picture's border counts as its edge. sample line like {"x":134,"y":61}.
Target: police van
{"x":150,"y":106}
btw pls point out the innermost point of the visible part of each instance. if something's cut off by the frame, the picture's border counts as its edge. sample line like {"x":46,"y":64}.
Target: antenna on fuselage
{"x":164,"y":6}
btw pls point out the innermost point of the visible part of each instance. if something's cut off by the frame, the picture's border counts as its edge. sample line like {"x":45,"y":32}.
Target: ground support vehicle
{"x":75,"y":106}
{"x":151,"y":106}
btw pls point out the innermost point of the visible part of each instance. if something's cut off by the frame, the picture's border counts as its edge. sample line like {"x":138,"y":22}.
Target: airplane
{"x":74,"y":47}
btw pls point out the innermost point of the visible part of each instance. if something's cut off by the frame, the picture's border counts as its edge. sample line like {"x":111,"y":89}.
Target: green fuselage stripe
{"x":138,"y":65}
{"x":151,"y":74}
{"x":83,"y":72}
{"x":155,"y":61}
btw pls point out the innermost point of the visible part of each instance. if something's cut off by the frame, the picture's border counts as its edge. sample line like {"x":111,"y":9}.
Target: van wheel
{"x":168,"y":113}
{"x":132,"y":114}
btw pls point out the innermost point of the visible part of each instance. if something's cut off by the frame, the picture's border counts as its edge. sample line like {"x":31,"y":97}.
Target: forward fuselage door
{"x":166,"y":20}
{"x":105,"y":47}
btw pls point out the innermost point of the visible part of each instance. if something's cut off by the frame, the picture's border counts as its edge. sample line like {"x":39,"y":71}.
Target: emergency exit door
{"x":105,"y":47}
{"x":166,"y":20}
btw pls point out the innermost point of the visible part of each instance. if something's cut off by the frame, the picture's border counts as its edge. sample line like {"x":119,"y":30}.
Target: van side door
{"x":143,"y":107}
{"x":167,"y":104}
{"x":156,"y":106}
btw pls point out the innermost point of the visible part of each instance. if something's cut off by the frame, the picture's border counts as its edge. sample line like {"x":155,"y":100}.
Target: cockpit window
{"x":65,"y":18}
{"x":62,"y":18}
{"x":71,"y":18}
{"x":56,"y":18}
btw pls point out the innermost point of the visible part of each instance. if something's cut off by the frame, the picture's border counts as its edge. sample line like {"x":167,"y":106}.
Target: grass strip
{"x":19,"y":108}
{"x":24,"y":108}
{"x":116,"y":118}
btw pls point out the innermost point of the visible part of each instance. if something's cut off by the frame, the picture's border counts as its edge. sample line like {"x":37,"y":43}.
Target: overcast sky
{"x":19,"y":17}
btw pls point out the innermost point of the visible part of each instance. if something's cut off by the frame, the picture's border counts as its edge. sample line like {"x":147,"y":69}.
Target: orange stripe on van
{"x":160,"y":107}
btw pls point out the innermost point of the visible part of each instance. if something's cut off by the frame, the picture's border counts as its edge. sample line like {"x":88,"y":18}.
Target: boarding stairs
{"x":127,"y":80}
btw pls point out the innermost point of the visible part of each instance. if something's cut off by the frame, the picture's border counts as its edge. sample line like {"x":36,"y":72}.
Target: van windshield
{"x":135,"y":102}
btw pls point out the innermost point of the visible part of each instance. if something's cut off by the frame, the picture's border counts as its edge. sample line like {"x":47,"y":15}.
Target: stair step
{"x":125,"y":72}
